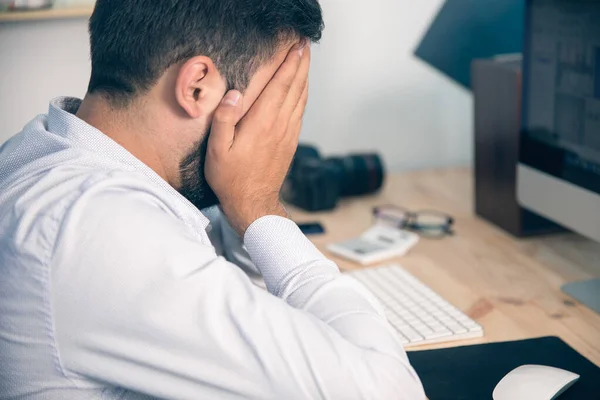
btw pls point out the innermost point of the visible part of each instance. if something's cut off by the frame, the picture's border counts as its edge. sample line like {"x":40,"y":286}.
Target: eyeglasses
{"x":432,"y":224}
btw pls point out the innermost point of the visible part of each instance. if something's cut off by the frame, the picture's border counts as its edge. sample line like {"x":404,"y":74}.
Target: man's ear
{"x":198,"y":86}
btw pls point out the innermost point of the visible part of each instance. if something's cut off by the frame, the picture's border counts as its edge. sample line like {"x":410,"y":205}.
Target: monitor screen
{"x":561,"y":90}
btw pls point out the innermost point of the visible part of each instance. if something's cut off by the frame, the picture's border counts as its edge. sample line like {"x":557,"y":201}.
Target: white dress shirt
{"x":111,"y":288}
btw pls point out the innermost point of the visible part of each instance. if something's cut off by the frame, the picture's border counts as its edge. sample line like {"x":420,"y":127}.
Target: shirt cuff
{"x":277,"y":246}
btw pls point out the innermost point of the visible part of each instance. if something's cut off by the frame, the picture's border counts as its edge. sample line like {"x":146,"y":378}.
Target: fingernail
{"x":232,"y":97}
{"x":301,"y":46}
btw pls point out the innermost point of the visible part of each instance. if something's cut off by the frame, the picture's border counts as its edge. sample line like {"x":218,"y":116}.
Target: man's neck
{"x":132,"y":129}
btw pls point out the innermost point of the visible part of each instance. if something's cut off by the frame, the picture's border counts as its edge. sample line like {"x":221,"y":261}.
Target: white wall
{"x":39,"y":61}
{"x":368,"y":92}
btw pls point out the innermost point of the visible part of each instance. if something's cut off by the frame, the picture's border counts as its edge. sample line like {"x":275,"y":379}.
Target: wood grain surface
{"x":510,"y":286}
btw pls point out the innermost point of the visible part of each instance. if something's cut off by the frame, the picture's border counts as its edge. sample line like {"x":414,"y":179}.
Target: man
{"x":111,"y":287}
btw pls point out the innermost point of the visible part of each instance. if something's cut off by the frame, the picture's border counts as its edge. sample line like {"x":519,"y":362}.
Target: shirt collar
{"x":63,"y":122}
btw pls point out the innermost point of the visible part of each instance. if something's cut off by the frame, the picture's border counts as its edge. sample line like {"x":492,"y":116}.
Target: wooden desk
{"x":46,"y":14}
{"x":510,"y":287}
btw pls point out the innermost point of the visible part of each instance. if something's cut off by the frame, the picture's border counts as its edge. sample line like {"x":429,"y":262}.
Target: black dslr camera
{"x":316,"y":184}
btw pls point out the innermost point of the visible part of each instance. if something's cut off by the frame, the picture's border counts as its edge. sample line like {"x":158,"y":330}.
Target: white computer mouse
{"x":534,"y":382}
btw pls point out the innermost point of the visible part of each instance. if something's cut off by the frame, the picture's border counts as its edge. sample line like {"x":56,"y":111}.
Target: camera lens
{"x":358,"y":174}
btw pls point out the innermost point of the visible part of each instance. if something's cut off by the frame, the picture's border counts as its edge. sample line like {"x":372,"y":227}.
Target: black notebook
{"x":472,"y":372}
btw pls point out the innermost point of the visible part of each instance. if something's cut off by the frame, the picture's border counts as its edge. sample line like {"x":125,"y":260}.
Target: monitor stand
{"x":586,"y":292}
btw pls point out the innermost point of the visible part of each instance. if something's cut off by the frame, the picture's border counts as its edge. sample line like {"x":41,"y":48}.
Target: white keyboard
{"x":419,"y":314}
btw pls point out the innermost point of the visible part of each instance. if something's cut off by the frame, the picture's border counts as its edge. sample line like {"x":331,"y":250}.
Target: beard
{"x":193,"y":182}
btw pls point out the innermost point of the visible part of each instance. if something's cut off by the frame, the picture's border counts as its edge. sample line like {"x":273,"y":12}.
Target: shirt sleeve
{"x":139,"y":302}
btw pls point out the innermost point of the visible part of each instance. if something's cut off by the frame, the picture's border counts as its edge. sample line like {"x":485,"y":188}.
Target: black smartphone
{"x":312,"y":228}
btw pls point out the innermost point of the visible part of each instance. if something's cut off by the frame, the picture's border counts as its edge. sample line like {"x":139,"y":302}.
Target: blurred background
{"x":368,"y":89}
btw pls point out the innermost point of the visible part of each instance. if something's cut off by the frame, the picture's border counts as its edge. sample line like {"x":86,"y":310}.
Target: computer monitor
{"x":559,"y":165}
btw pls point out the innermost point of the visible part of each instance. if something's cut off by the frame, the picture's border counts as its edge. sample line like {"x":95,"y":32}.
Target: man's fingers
{"x":267,"y":107}
{"x":296,"y":120}
{"x":224,"y":121}
{"x":296,"y":92}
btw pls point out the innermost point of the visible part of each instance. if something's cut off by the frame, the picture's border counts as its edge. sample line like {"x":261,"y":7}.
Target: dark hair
{"x":133,"y":42}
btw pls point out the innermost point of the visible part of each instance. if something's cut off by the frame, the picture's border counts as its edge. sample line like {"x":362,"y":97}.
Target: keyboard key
{"x":469,"y":323}
{"x":422,"y":328}
{"x":412,"y":335}
{"x":458,"y":329}
{"x":437,"y":335}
